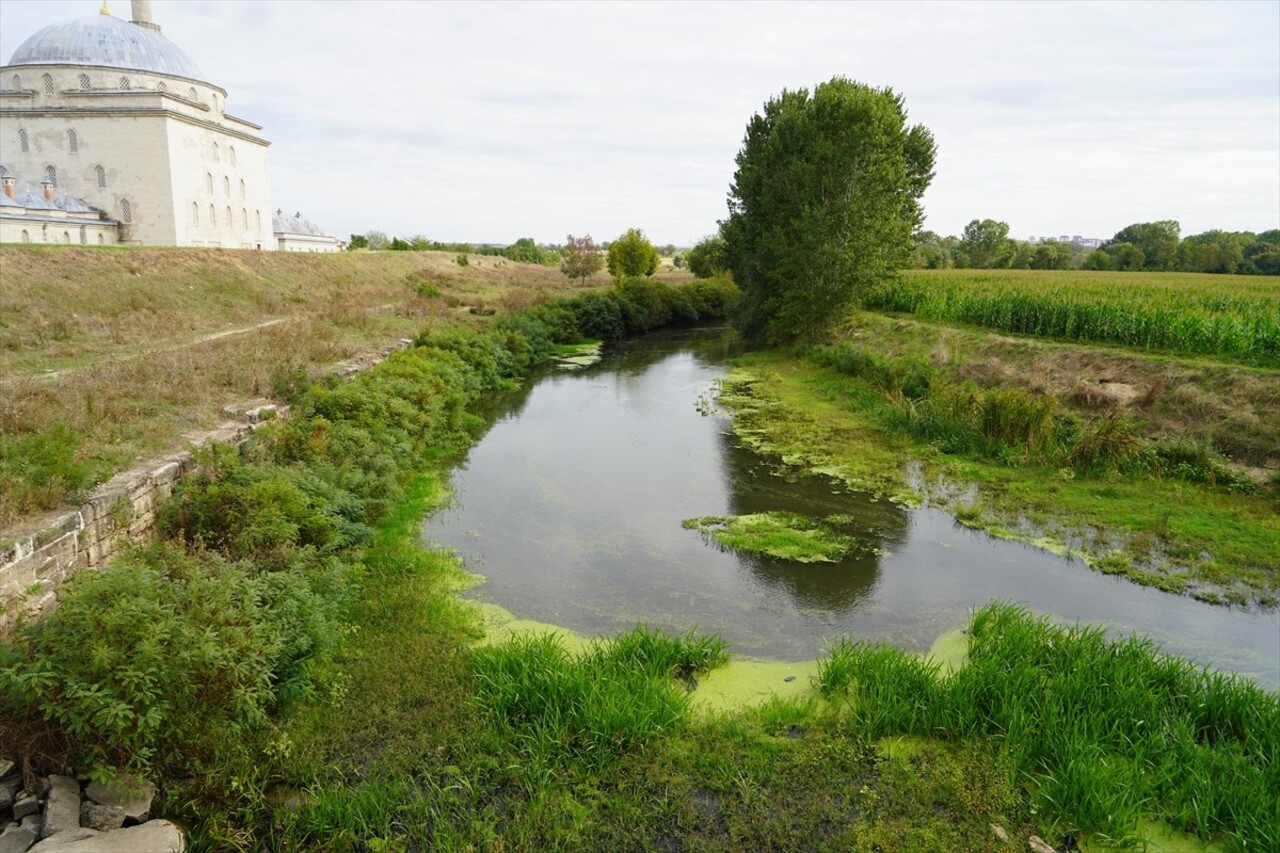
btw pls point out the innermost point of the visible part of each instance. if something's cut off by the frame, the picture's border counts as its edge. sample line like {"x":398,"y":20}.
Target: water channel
{"x":570,"y":506}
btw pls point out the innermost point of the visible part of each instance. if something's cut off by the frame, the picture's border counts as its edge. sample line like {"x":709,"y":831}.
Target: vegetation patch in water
{"x":776,"y":534}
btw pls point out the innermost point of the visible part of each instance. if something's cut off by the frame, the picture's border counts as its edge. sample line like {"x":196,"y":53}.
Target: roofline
{"x":80,"y":112}
{"x":6,"y":68}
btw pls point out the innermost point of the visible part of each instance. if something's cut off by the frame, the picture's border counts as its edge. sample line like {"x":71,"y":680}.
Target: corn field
{"x":1233,"y":317}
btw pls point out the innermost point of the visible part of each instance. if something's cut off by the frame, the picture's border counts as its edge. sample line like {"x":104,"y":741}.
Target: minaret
{"x":142,"y":15}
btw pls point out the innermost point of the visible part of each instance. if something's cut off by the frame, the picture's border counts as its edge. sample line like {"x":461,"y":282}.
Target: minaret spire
{"x":142,"y":15}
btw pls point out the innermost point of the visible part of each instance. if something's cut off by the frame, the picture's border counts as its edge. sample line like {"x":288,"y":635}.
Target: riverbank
{"x":1001,"y":436}
{"x":329,"y":696}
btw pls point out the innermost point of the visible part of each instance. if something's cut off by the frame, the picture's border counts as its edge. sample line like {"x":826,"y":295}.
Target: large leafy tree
{"x":823,"y":205}
{"x":706,"y":258}
{"x":1158,"y":242}
{"x":987,"y":243}
{"x":582,"y":258}
{"x":632,"y":254}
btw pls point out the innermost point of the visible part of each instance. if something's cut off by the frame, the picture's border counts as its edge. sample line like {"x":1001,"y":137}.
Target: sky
{"x":486,"y":122}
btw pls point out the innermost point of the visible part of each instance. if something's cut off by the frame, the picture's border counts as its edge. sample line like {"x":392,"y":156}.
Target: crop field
{"x":1231,"y":317}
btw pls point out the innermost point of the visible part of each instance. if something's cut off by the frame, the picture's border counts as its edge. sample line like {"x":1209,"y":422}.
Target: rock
{"x":1038,"y":844}
{"x":17,"y":839}
{"x":24,"y":805}
{"x":999,"y":831}
{"x":131,"y":793}
{"x":155,"y":836}
{"x":6,"y":768}
{"x":62,"y":809}
{"x":97,"y":816}
{"x":9,"y":792}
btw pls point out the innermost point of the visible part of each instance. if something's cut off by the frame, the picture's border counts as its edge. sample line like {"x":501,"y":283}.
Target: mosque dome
{"x":102,"y":40}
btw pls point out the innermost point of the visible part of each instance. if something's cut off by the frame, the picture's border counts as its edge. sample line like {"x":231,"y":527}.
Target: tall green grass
{"x":1104,"y":731}
{"x":1234,"y":316}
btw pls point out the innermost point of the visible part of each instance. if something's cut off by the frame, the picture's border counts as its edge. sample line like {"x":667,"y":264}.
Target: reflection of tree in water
{"x":634,"y":357}
{"x":836,"y":587}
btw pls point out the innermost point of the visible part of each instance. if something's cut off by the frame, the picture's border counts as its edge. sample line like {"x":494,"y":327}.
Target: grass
{"x":783,"y":535}
{"x":1233,"y":317}
{"x":112,"y":356}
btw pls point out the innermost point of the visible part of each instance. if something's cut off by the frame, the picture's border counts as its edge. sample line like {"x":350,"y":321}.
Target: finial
{"x":105,"y":10}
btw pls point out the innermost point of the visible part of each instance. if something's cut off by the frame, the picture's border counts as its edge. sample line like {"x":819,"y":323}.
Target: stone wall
{"x":39,"y":556}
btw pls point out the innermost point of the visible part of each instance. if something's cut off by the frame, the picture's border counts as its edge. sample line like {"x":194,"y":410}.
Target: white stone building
{"x":117,"y":116}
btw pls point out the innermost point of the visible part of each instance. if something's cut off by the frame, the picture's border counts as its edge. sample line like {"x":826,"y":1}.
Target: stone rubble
{"x":65,"y":814}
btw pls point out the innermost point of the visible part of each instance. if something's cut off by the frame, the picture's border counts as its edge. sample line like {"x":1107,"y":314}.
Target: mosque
{"x":111,"y":134}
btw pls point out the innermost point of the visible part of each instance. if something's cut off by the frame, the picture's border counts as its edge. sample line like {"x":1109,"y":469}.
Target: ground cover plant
{"x":1234,"y":317}
{"x":783,"y":535}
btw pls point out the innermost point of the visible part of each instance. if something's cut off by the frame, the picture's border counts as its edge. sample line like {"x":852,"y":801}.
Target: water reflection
{"x":571,"y":507}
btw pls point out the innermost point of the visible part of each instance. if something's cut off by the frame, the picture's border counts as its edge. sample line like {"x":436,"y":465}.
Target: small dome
{"x":106,"y":41}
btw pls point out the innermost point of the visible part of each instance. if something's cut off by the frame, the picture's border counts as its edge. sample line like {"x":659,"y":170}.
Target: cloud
{"x":493,"y":121}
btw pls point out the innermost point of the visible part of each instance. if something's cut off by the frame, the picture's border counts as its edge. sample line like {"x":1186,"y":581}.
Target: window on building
{"x":51,"y":175}
{"x":161,"y":87}
{"x":217,"y":157}
{"x":84,"y":81}
{"x":226,"y":185}
{"x":233,"y":155}
{"x":257,"y":219}
{"x":100,"y":239}
{"x":102,"y":176}
{"x":84,"y":235}
{"x":48,"y":83}
{"x":26,"y":238}
{"x":23,"y":142}
{"x":215,"y":103}
{"x":191,"y":93}
{"x":73,"y":142}
{"x":66,"y":237}
{"x":242,"y":188}
{"x":213,"y":217}
{"x":229,"y":222}
{"x":4,"y":172}
{"x":17,"y":83}
{"x":208,"y":179}
{"x":126,"y":212}
{"x":195,"y":213}
{"x":124,"y":84}
{"x":244,"y":219}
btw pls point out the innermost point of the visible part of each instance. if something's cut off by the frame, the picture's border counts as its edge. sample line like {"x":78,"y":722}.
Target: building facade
{"x":113,"y":114}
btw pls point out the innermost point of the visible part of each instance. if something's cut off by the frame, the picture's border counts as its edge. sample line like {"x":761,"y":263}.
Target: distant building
{"x":295,"y":234}
{"x":114,"y":115}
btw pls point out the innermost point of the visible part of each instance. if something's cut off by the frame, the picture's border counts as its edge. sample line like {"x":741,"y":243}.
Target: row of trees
{"x":1155,"y":246}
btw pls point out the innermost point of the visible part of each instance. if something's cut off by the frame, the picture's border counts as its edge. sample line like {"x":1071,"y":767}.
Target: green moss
{"x":776,"y":534}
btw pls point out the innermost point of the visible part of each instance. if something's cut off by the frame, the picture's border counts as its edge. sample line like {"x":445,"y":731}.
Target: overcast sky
{"x":491,"y":121}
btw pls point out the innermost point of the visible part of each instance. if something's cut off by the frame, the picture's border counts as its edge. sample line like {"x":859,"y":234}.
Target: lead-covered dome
{"x":106,"y":41}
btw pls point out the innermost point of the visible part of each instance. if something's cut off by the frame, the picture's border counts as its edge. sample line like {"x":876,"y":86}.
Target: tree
{"x":1127,"y":256}
{"x":823,"y":204}
{"x":632,"y":254}
{"x":1053,"y":255}
{"x":581,"y":258}
{"x":707,"y":257}
{"x":1158,"y":242}
{"x":987,"y":244}
{"x":377,"y":240}
{"x":358,"y":241}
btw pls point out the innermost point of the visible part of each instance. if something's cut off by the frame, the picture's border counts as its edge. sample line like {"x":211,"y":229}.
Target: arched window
{"x":84,"y":81}
{"x":195,"y":213}
{"x":102,"y":176}
{"x":100,"y":239}
{"x":233,"y":155}
{"x":84,"y":235}
{"x":126,"y":212}
{"x":213,"y":217}
{"x":51,"y":175}
{"x":229,"y":222}
{"x":161,"y":87}
{"x":191,"y":93}
{"x":208,"y":179}
{"x":215,"y":103}
{"x":244,"y":219}
{"x":226,"y":185}
{"x":73,"y":142}
{"x":257,"y":219}
{"x":23,"y":142}
{"x":124,"y":84}
{"x":17,"y":87}
{"x":48,"y":84}
{"x":242,"y":188}
{"x":217,"y":158}
{"x":66,"y":237}
{"x":26,"y":238}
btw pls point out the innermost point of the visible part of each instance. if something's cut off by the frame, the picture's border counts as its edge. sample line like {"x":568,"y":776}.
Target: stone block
{"x":130,"y":793}
{"x":25,"y":804}
{"x":155,"y":836}
{"x":103,"y":818}
{"x":62,"y":808}
{"x":17,"y":839}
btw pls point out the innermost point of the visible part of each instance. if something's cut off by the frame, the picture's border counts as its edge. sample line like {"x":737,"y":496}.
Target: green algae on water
{"x":784,"y":535}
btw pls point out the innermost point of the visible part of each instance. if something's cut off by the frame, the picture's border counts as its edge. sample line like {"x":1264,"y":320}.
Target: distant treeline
{"x":524,"y":251}
{"x":1152,"y":246}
